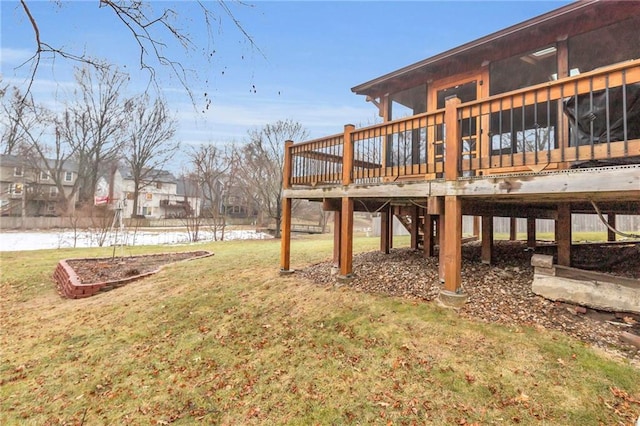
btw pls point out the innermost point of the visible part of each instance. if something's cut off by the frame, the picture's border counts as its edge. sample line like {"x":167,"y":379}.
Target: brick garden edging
{"x":69,"y":285}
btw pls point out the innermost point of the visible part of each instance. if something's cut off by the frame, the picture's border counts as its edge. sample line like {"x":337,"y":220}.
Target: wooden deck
{"x":475,"y":159}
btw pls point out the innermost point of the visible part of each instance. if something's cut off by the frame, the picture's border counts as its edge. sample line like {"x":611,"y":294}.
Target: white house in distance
{"x":159,"y":198}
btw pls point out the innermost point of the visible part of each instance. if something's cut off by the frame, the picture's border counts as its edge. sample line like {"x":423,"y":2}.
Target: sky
{"x":300,"y":63}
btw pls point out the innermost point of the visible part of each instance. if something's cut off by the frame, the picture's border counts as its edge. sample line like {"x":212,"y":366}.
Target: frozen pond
{"x":38,"y":240}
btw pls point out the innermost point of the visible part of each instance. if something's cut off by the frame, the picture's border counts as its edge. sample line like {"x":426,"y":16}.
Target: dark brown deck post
{"x":441,"y":237}
{"x":476,"y":226}
{"x":611,"y":218}
{"x":346,"y":237}
{"x":513,"y":228}
{"x":337,"y":216}
{"x":487,"y":240}
{"x":563,"y":234}
{"x":386,"y":222}
{"x":429,"y":237}
{"x":285,"y":236}
{"x":415,"y":227}
{"x":531,"y":232}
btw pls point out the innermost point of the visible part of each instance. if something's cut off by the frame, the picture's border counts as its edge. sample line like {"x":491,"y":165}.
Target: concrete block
{"x":595,"y":294}
{"x":545,"y":271}
{"x":542,"y":260}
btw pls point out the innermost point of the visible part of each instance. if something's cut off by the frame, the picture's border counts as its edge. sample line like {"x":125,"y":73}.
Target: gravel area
{"x":501,"y":293}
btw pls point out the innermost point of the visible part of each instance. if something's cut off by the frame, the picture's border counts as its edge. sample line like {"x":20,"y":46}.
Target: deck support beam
{"x":611,"y":218}
{"x":415,"y":227}
{"x":285,"y":237}
{"x":513,"y":228}
{"x":476,"y":226}
{"x":346,"y":238}
{"x":337,"y":221}
{"x":429,"y":237}
{"x":386,"y":223}
{"x":563,"y":234}
{"x":487,"y":240}
{"x":440,"y":223}
{"x":453,"y":244}
{"x":531,"y":232}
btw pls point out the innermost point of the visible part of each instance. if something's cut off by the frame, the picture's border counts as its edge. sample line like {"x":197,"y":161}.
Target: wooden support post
{"x":441,"y":244}
{"x":346,"y":238}
{"x":452,"y":135}
{"x":347,"y":158}
{"x":531,"y":232}
{"x":429,"y":237}
{"x":453,"y":244}
{"x":285,"y":238}
{"x":487,"y":239}
{"x":390,"y":228}
{"x":385,"y":223}
{"x":611,"y":218}
{"x":513,"y":228}
{"x":476,"y":226}
{"x":337,"y":216}
{"x":563,"y":234}
{"x":415,"y":227}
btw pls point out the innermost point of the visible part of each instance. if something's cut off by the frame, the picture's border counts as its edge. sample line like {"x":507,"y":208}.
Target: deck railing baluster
{"x":524,"y":135}
{"x":591,"y":128}
{"x":536,"y":128}
{"x":575,"y":124}
{"x":624,"y":113}
{"x":555,"y":132}
{"x":514,"y":143}
{"x":608,"y":116}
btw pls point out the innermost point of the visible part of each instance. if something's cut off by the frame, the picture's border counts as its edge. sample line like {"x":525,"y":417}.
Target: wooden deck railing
{"x":587,"y":118}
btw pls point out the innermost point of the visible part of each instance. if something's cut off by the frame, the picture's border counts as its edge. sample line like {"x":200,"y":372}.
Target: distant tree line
{"x":99,"y":128}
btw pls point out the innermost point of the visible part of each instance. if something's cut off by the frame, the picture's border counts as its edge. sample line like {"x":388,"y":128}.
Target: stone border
{"x":68,"y":284}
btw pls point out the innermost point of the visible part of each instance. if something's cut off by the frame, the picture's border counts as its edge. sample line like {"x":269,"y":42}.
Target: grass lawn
{"x":227,"y":340}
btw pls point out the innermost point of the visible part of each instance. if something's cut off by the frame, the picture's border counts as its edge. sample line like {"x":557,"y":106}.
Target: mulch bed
{"x":501,"y":292}
{"x":113,"y":269}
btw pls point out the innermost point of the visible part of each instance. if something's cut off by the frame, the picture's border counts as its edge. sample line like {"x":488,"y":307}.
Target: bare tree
{"x":148,"y":144}
{"x":49,"y":160}
{"x":261,"y":167}
{"x":191,"y":215}
{"x":211,"y":169}
{"x":94,"y":123}
{"x":154,"y":27}
{"x":14,"y":119}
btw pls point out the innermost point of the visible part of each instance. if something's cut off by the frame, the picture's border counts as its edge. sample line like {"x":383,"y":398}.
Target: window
{"x":145,"y":211}
{"x":68,"y":176}
{"x":534,"y":67}
{"x":602,"y":47}
{"x":17,"y":171}
{"x":159,"y":185}
{"x":148,"y":196}
{"x":53,"y":191}
{"x":44,"y":175}
{"x":51,"y":207}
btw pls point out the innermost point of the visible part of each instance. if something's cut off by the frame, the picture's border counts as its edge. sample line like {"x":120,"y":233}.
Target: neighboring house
{"x":519,"y":123}
{"x":161,"y":196}
{"x":236,"y":204}
{"x":29,"y":185}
